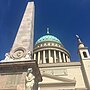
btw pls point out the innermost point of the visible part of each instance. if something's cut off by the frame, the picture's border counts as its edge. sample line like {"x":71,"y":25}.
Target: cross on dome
{"x":47,"y":30}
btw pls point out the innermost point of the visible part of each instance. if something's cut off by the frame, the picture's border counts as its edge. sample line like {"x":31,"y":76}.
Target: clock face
{"x":18,"y":53}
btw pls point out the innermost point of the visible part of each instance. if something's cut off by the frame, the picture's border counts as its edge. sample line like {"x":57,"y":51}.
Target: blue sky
{"x":65,"y":18}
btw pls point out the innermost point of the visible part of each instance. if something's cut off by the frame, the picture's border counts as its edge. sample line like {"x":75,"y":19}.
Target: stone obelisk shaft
{"x":24,"y":37}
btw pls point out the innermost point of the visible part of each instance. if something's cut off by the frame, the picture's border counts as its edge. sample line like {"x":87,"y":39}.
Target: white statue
{"x":7,"y":56}
{"x":29,"y":80}
{"x":29,"y":55}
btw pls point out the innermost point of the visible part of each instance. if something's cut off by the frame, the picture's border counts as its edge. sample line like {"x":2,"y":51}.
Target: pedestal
{"x":12,"y":74}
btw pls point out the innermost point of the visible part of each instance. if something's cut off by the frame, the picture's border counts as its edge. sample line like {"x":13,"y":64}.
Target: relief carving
{"x":18,"y":53}
{"x":62,"y":72}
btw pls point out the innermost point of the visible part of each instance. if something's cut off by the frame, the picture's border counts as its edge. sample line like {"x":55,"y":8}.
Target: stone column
{"x":38,"y":57}
{"x":44,"y":60}
{"x":64,"y":57}
{"x":24,"y":39}
{"x":54,"y":56}
{"x":34,"y":56}
{"x":68,"y":60}
{"x":49,"y":52}
{"x":60,"y":59}
{"x":39,"y":88}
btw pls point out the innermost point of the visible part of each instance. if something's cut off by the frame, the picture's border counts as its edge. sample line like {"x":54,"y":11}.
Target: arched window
{"x":85,"y":54}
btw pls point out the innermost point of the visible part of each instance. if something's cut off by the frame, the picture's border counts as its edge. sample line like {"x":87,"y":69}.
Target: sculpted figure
{"x":7,"y":56}
{"x":29,"y":80}
{"x":29,"y":55}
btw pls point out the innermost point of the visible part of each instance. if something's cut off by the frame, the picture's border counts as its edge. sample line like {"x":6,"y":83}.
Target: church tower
{"x":83,"y":51}
{"x":85,"y":61}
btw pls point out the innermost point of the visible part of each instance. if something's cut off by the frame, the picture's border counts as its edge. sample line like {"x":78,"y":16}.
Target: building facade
{"x":48,"y":63}
{"x":57,"y":70}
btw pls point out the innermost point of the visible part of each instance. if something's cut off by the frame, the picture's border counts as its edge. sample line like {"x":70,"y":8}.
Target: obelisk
{"x":13,"y":70}
{"x":23,"y":44}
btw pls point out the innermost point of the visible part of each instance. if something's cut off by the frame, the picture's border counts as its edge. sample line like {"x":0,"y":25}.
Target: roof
{"x":46,"y":38}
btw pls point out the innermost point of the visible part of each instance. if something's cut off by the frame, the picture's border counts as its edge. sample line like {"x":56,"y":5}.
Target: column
{"x":68,"y":59}
{"x":60,"y":59}
{"x":25,"y":31}
{"x":34,"y":56}
{"x":49,"y":52}
{"x":39,"y":88}
{"x":44,"y":60}
{"x":54,"y":56}
{"x":38,"y":57}
{"x":64,"y":57}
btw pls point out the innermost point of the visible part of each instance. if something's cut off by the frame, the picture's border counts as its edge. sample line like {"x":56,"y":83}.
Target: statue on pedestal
{"x":29,"y":80}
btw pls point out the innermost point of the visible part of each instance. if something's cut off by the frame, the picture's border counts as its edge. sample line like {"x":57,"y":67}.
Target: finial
{"x":79,"y":40}
{"x":47,"y":30}
{"x":77,"y":36}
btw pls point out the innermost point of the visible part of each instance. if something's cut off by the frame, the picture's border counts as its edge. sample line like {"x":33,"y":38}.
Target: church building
{"x":47,"y":65}
{"x":57,"y":70}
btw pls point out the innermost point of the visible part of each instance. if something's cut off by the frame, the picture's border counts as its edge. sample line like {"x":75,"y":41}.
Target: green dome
{"x":48,"y":38}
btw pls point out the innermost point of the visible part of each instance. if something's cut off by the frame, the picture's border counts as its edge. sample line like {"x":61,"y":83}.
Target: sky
{"x":65,"y":18}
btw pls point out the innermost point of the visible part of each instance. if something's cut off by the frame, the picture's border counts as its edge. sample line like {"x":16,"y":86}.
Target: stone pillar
{"x":60,"y":59}
{"x":68,"y":60}
{"x":38,"y":57}
{"x":39,"y":88}
{"x":44,"y":60}
{"x":24,"y":39}
{"x":34,"y":56}
{"x":85,"y":66}
{"x":64,"y":57}
{"x":49,"y":52}
{"x":54,"y":56}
